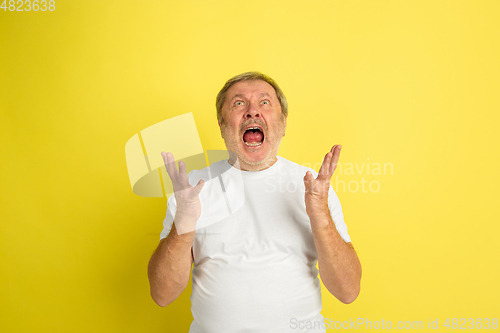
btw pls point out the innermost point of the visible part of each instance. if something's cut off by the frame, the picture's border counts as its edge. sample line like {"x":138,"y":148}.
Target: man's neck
{"x":238,"y":164}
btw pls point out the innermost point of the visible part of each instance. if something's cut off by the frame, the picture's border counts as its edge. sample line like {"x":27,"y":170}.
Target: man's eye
{"x":238,"y":103}
{"x":265,"y":102}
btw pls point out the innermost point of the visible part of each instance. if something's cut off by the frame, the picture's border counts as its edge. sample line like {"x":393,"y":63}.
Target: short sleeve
{"x":337,"y":214}
{"x":169,"y":218}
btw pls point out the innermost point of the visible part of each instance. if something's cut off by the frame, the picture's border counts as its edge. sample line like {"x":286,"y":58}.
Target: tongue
{"x":253,"y":137}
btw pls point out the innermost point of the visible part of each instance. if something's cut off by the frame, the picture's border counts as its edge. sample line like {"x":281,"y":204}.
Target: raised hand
{"x":186,"y":196}
{"x":316,"y":196}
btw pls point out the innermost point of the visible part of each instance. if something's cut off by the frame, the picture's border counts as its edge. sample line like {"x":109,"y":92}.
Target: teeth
{"x":251,"y":128}
{"x":253,"y":144}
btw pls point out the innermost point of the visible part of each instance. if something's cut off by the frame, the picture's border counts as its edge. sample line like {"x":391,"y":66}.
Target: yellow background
{"x":411,"y":83}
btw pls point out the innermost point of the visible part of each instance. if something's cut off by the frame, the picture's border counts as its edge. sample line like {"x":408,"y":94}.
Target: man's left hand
{"x":317,"y":189}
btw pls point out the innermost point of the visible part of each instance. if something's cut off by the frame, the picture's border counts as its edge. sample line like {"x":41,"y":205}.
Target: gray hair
{"x":250,"y":76}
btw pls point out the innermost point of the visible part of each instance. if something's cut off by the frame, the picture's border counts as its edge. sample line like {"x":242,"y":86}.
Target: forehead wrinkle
{"x":237,"y":95}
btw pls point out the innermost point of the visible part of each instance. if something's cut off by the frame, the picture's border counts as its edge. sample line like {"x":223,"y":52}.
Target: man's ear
{"x":220,"y":128}
{"x":284,"y":122}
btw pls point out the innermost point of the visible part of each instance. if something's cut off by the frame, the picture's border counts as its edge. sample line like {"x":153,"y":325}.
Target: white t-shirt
{"x":255,"y":267}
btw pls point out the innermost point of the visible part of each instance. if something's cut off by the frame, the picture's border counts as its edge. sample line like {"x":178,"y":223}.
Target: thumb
{"x":308,"y":178}
{"x":197,"y":189}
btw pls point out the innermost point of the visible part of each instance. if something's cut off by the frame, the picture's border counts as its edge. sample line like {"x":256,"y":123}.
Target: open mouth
{"x":253,"y":136}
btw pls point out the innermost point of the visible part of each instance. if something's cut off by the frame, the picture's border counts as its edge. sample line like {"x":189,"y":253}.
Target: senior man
{"x":255,"y":269}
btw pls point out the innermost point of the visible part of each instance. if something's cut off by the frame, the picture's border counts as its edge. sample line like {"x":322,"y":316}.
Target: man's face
{"x":252,"y":127}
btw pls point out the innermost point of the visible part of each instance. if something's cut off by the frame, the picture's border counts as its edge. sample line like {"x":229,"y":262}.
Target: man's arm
{"x":170,"y":266}
{"x":339,"y":266}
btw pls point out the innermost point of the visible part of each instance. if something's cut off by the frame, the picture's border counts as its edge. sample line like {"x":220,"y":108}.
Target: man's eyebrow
{"x":237,"y":95}
{"x":243,"y":96}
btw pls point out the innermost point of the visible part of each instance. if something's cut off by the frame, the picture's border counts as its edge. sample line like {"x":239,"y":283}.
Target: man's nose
{"x":253,"y":111}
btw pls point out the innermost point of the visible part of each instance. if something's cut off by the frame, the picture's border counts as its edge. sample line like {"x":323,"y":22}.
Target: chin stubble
{"x":232,"y":144}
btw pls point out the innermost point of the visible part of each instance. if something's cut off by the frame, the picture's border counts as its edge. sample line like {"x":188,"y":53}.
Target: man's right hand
{"x":186,"y":196}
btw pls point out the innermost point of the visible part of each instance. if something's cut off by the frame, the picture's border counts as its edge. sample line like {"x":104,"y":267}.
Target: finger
{"x":335,"y":158}
{"x":308,"y":180}
{"x":164,"y":156}
{"x":325,"y":167}
{"x":197,"y":189}
{"x":183,"y":177}
{"x":169,"y":161}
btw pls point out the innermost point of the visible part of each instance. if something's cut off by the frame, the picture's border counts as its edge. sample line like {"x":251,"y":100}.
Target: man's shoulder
{"x":213,"y":170}
{"x":293,"y":167}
